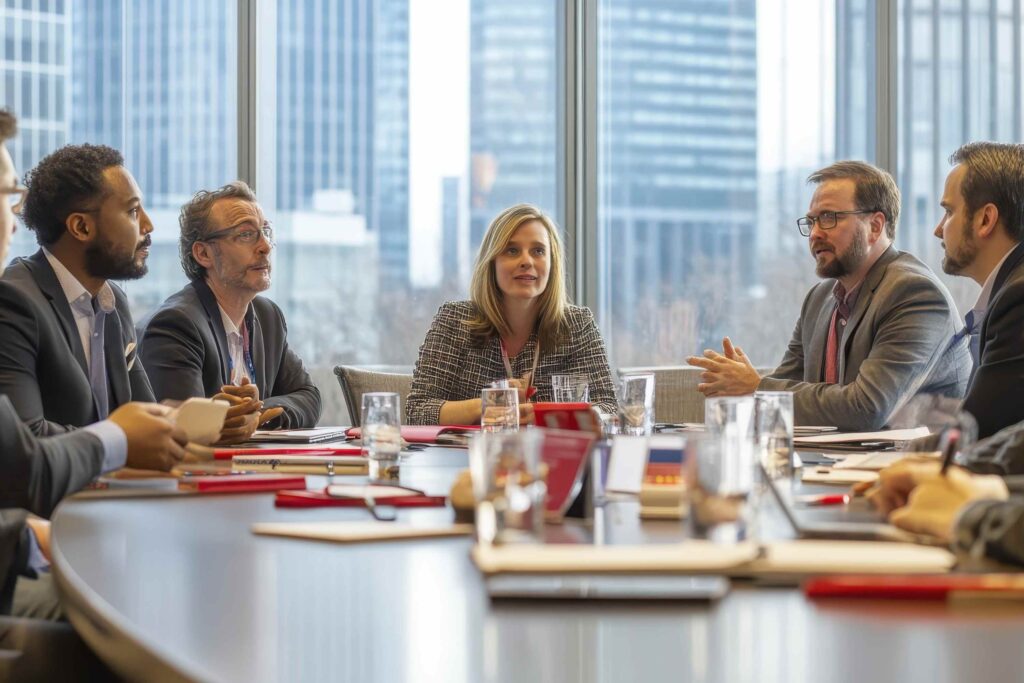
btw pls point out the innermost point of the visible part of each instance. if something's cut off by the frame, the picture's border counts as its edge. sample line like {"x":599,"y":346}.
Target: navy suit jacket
{"x":42,"y":364}
{"x":185,"y":350}
{"x":997,"y":386}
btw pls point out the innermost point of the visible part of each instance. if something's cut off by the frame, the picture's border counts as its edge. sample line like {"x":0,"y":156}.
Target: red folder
{"x":228,"y":453}
{"x":241,"y":483}
{"x":316,"y":499}
{"x":423,"y":433}
{"x":565,"y":453}
{"x":902,"y":587}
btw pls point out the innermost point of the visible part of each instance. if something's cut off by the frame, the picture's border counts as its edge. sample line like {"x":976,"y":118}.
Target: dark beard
{"x":954,"y":264}
{"x":848,"y":262}
{"x":102,"y":260}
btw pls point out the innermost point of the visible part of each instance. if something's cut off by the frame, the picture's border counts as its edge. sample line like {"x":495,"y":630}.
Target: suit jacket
{"x":35,"y":474}
{"x":895,"y":345}
{"x":42,"y":364}
{"x":184,"y":347}
{"x":994,"y":395}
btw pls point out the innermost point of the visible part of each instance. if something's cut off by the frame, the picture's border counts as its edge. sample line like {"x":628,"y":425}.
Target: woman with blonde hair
{"x":518,"y":325}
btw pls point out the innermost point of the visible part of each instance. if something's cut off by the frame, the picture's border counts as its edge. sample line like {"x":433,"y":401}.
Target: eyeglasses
{"x":248,"y":235}
{"x":826,"y":220}
{"x":15,"y":197}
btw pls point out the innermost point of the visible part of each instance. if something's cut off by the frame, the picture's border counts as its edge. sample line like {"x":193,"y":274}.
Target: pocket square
{"x":128,"y":351}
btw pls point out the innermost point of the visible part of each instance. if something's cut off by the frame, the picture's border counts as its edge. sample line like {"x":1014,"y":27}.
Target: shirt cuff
{"x":37,"y":562}
{"x":115,"y":444}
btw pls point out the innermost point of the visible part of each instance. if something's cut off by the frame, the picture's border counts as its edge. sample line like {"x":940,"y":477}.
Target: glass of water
{"x":499,"y":409}
{"x":570,"y":388}
{"x":727,"y":497}
{"x":382,"y":433}
{"x":508,"y":485}
{"x":774,"y":429}
{"x":636,"y":405}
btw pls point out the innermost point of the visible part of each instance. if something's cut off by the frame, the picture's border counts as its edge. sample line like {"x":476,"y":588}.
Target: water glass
{"x":570,"y":388}
{"x":508,"y":485}
{"x":724,"y":498}
{"x":774,"y":428}
{"x":382,"y":433}
{"x":499,"y":410}
{"x":636,"y":404}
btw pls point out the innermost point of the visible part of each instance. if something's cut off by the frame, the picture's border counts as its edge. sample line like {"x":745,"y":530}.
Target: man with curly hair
{"x":67,"y":340}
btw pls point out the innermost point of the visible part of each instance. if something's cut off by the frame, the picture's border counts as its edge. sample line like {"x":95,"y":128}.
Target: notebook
{"x":441,"y":435}
{"x":240,"y":483}
{"x":358,"y":532}
{"x":311,"y":435}
{"x":302,"y":464}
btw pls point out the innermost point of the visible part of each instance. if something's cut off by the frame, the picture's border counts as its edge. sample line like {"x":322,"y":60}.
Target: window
{"x":711,"y":116}
{"x":960,"y":73}
{"x":390,"y":133}
{"x":154,"y":79}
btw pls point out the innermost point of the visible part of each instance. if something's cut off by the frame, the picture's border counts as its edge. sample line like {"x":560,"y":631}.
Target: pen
{"x":951,"y":437}
{"x":824,"y":499}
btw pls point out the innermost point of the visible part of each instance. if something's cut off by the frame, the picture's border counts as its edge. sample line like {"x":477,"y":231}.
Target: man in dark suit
{"x":36,"y":473}
{"x":216,"y":336}
{"x":981,"y":229}
{"x":67,"y":340}
{"x":874,"y":333}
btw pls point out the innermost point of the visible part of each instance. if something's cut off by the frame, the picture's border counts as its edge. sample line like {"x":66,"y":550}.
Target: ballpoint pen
{"x":824,"y":499}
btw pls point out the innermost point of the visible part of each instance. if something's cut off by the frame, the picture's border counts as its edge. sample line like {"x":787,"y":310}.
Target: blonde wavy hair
{"x":489,"y":319}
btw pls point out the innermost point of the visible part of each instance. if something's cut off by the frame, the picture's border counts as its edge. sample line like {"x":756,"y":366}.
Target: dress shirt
{"x":81,"y":302}
{"x":37,"y":562}
{"x":115,"y":443}
{"x":236,"y":348}
{"x":845,"y":301}
{"x":981,"y":306}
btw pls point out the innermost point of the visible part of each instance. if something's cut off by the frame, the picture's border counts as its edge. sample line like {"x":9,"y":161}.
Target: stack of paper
{"x":861,"y":441}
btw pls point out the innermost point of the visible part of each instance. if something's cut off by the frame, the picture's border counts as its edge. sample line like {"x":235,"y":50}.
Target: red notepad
{"x":425,"y":433}
{"x":316,"y":499}
{"x":901,"y":587}
{"x":574,"y":416}
{"x":229,"y":453}
{"x":241,"y":483}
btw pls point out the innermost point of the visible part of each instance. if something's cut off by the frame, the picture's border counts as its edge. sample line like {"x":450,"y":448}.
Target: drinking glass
{"x":570,"y":388}
{"x":508,"y":485}
{"x":499,"y":410}
{"x":636,"y":405}
{"x":727,"y":497}
{"x":774,"y":429}
{"x":381,"y":433}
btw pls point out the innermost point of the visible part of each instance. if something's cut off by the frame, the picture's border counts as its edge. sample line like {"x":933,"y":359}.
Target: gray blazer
{"x":42,"y":364}
{"x":185,"y":349}
{"x":896,"y":345}
{"x":35,"y":474}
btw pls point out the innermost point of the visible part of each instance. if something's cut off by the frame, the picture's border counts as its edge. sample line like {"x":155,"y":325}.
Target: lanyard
{"x":508,"y":365}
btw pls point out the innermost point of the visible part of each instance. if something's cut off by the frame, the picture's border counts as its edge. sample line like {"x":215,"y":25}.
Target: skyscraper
{"x":342,"y":114}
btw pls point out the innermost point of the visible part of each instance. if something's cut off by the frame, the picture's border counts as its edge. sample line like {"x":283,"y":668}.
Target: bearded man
{"x":879,"y":329}
{"x":68,"y":355}
{"x":217,"y":337}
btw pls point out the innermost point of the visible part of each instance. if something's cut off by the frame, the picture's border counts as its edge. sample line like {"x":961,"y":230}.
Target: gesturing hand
{"x":726,"y":374}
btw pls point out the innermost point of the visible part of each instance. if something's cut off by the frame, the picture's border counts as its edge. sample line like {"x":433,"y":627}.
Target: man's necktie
{"x":98,"y":363}
{"x":832,"y":350}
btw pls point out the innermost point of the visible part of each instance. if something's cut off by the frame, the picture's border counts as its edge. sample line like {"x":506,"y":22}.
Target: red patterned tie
{"x":832,"y":350}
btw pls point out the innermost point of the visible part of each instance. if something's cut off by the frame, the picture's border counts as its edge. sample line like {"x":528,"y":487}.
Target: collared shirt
{"x":845,"y":301}
{"x":115,"y":443}
{"x":236,"y":348}
{"x":981,"y":305}
{"x":81,"y":302}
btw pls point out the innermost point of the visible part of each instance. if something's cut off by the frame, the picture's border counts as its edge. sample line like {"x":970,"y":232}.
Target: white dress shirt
{"x":236,"y":348}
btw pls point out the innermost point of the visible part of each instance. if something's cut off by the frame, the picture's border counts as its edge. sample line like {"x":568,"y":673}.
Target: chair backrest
{"x":356,"y":381}
{"x":676,"y":398}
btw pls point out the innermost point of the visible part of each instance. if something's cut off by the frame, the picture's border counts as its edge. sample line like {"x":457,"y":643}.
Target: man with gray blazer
{"x":216,"y":337}
{"x":878,"y":330}
{"x":67,"y":340}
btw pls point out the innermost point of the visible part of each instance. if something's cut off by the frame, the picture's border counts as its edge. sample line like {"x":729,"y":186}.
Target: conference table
{"x":178,"y":588}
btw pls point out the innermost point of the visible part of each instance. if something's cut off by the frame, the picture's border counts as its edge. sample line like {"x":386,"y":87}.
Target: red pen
{"x":824,"y":499}
{"x":530,"y":392}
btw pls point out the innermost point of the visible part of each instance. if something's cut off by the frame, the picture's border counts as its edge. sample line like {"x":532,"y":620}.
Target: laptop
{"x":856,"y":521}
